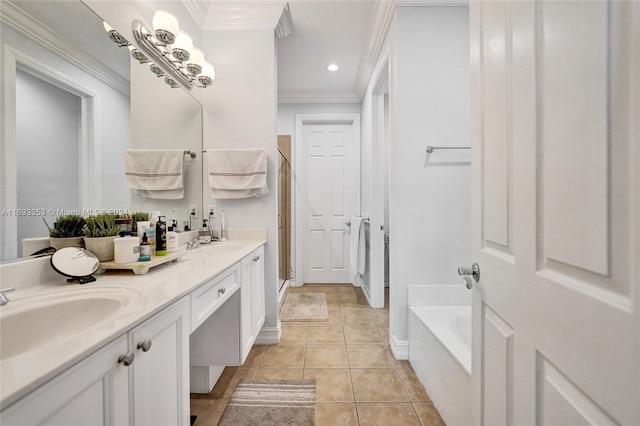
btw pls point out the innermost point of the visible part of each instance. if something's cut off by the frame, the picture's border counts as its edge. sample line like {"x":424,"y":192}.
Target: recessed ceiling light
{"x":332,"y":67}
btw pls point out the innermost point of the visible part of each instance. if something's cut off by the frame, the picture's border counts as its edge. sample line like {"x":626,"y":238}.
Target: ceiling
{"x":343,"y":32}
{"x":324,"y":32}
{"x":321,"y":32}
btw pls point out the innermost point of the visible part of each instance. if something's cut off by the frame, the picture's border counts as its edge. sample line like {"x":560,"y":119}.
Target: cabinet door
{"x":160,"y":379}
{"x":257,"y":291}
{"x":247,"y":336}
{"x":93,"y":392}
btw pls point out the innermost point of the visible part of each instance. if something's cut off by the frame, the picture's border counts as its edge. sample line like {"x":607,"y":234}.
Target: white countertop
{"x":151,"y":292}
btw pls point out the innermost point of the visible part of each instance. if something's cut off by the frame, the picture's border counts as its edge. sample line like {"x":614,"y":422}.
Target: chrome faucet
{"x":192,"y":244}
{"x":3,"y":298}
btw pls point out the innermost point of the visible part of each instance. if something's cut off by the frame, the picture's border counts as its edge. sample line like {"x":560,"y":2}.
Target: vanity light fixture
{"x":332,"y":67}
{"x":173,"y":51}
{"x":175,"y":57}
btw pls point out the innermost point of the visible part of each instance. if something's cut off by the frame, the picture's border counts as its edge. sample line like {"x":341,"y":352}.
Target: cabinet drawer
{"x":208,"y":297}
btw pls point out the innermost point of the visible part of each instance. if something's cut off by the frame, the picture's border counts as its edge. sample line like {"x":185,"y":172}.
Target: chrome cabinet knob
{"x":145,"y":345}
{"x":126,"y":359}
{"x":468,"y":273}
{"x":222,"y":290}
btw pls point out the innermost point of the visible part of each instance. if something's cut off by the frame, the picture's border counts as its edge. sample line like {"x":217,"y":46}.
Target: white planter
{"x":102,"y":247}
{"x":62,"y":242}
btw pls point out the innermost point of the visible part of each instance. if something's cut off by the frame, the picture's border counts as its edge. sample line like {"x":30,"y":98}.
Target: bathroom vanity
{"x":119,"y":350}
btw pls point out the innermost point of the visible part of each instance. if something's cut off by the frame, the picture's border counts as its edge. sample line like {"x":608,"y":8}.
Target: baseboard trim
{"x":269,"y":335}
{"x":399,"y":348}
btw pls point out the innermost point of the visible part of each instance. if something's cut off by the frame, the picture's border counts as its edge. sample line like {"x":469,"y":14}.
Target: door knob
{"x":468,"y":273}
{"x":145,"y":345}
{"x":126,"y":359}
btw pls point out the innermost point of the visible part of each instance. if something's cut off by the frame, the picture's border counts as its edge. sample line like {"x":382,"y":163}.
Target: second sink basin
{"x":26,"y":324}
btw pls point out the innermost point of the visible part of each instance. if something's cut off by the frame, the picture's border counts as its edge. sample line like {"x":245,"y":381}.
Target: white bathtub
{"x":440,"y":354}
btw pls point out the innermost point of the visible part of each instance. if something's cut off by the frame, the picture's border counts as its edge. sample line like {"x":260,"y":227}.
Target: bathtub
{"x":440,"y":354}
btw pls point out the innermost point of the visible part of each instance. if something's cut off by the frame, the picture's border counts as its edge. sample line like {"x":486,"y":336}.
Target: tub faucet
{"x":3,"y":298}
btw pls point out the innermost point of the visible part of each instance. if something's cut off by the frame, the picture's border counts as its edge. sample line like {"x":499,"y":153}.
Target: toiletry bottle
{"x":145,"y":249}
{"x":172,"y":240}
{"x":151,"y":237}
{"x":204,"y":236}
{"x":161,"y":237}
{"x":223,"y":233}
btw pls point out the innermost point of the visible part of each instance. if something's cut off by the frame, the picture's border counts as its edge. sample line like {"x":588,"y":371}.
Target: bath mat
{"x":271,"y":403}
{"x":305,"y":307}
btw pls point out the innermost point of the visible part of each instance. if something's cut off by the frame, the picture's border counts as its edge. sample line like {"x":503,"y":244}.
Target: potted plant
{"x":99,"y":233}
{"x":67,"y":231}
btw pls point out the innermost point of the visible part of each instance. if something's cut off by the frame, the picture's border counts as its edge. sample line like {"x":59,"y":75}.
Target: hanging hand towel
{"x":237,"y":173}
{"x":357,"y":247}
{"x":155,"y":173}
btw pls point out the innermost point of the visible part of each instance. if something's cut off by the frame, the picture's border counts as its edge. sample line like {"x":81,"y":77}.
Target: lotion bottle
{"x":172,"y":240}
{"x":161,"y":237}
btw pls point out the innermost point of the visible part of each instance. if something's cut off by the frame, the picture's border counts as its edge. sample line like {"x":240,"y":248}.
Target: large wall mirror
{"x":72,"y":102}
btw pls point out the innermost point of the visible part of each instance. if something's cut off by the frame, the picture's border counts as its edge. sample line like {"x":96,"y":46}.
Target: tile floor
{"x":358,"y":382}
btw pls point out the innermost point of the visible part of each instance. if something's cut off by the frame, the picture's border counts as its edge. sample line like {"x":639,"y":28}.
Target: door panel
{"x":329,"y":201}
{"x":556,"y":160}
{"x":497,"y":369}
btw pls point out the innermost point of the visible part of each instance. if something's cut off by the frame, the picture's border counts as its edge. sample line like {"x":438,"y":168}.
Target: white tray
{"x":140,"y":268}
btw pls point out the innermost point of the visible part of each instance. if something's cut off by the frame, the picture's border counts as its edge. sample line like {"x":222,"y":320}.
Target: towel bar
{"x":430,"y":149}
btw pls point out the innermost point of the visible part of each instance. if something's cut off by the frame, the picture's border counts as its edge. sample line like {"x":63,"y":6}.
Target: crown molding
{"x":34,"y":30}
{"x":198,"y":10}
{"x":378,"y":29}
{"x":317,"y":97}
{"x":285,"y":24}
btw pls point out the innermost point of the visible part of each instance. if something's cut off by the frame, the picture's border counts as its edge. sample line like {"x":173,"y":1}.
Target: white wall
{"x":240,"y":112}
{"x":429,"y":105}
{"x":286,"y":126}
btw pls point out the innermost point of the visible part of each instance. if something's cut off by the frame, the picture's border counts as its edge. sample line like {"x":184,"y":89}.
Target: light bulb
{"x":182,"y":46}
{"x":138,"y":55}
{"x":115,"y":36}
{"x":166,"y":26}
{"x":208,"y":74}
{"x":196,"y":61}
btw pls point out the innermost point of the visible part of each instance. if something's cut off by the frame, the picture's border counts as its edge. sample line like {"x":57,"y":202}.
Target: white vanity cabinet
{"x":252,"y":299}
{"x":160,"y":369}
{"x":141,"y":378}
{"x":93,"y":392}
{"x":222,"y":316}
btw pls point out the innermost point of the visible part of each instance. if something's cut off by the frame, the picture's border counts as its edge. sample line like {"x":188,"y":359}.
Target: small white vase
{"x":102,"y":247}
{"x":62,"y":242}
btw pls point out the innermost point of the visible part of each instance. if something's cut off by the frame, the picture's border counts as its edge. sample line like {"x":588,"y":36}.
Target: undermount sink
{"x":222,"y":247}
{"x":29,"y":323}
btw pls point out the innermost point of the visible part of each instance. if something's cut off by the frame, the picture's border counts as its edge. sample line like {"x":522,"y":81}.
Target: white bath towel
{"x":237,"y":173}
{"x":155,"y":173}
{"x":357,"y":248}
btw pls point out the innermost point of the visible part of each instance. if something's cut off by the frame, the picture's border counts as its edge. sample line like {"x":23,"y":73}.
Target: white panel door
{"x":556,"y":163}
{"x":329,"y":201}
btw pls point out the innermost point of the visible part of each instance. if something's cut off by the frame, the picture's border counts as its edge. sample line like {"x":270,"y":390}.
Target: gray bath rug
{"x":271,"y":403}
{"x":305,"y":307}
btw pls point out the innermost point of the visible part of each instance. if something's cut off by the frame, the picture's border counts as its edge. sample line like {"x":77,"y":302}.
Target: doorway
{"x":380,"y":235}
{"x":284,"y":213}
{"x":328,"y":194}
